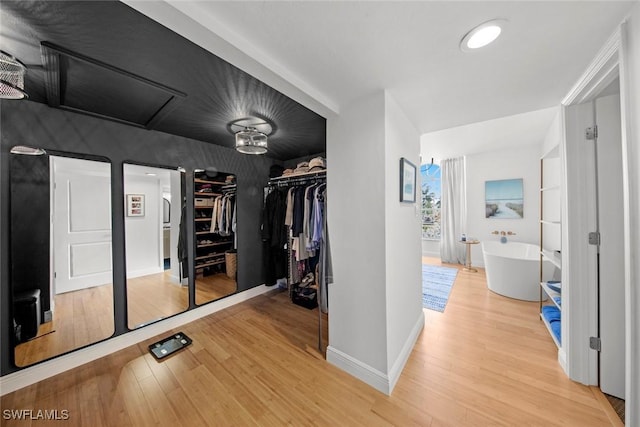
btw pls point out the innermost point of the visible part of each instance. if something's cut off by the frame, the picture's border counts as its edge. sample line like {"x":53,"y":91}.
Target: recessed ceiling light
{"x":482,"y":35}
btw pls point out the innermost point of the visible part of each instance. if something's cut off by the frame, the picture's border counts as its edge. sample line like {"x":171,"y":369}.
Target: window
{"x":430,"y":175}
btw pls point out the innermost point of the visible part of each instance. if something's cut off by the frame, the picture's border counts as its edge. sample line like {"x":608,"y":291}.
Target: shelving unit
{"x":210,"y":246}
{"x":550,"y":309}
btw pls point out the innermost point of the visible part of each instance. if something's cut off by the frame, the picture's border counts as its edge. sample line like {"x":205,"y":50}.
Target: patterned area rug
{"x":436,"y":286}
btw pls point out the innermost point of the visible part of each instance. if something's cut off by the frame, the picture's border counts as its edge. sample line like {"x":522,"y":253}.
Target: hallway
{"x":487,"y":360}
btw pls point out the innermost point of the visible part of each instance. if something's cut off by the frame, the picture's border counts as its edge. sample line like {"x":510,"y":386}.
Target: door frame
{"x":581,"y":361}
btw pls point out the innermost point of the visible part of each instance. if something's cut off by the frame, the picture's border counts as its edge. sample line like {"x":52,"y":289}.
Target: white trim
{"x":562,"y":359}
{"x":398,"y":366}
{"x":358,"y":369}
{"x":598,"y":74}
{"x":145,"y":272}
{"x":41,"y":371}
{"x":632,"y":231}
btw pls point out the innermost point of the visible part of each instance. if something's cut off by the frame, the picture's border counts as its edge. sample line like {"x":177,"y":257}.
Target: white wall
{"x":356,"y":223}
{"x":630,"y":78}
{"x":375,"y":301}
{"x":521,"y":162}
{"x":143,"y":235}
{"x":431,"y":248}
{"x":403,"y":239}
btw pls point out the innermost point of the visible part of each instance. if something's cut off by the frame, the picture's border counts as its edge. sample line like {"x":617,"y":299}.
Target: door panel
{"x":82,"y":223}
{"x":611,"y":226}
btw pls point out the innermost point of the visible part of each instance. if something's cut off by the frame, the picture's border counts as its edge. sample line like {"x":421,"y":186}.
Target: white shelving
{"x":550,"y":230}
{"x":548,"y":325}
{"x":552,"y":257}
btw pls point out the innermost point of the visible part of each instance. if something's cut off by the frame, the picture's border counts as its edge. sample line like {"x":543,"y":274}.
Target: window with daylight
{"x":430,"y":174}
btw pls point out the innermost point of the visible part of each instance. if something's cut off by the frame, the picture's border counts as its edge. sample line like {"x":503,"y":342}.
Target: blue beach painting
{"x":504,"y":199}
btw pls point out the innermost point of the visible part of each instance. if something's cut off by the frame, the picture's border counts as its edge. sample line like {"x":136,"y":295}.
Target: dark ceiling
{"x":106,"y":59}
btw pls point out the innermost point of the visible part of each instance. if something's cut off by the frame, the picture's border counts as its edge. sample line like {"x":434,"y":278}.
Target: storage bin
{"x":26,"y":313}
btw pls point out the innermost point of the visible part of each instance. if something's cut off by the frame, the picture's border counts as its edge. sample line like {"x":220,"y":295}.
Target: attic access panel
{"x":78,"y":83}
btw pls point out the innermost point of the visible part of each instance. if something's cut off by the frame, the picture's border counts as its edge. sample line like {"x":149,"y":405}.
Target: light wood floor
{"x":85,"y":316}
{"x":486,"y":361}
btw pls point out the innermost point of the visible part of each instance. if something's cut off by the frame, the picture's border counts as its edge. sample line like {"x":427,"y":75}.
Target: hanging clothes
{"x":182,"y":242}
{"x":274,"y":236}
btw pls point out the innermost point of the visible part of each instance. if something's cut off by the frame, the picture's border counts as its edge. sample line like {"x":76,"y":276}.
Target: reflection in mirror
{"x":60,"y":269}
{"x":155,"y":286}
{"x":215,"y":228}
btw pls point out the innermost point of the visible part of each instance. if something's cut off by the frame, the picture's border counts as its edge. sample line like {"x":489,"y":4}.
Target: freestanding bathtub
{"x":513,"y":269}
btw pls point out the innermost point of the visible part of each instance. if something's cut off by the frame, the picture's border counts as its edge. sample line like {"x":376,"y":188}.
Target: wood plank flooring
{"x":486,"y":361}
{"x":85,"y":316}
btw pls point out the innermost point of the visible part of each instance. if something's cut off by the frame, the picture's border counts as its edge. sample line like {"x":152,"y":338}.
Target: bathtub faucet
{"x":503,"y":233}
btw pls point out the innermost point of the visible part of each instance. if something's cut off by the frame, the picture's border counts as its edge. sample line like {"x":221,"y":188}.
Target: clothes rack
{"x":303,"y":179}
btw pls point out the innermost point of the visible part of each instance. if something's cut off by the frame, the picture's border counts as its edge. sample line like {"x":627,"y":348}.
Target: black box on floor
{"x":26,"y":313}
{"x":304,"y":297}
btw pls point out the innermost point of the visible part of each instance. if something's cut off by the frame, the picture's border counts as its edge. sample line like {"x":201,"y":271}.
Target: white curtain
{"x":453,"y":210}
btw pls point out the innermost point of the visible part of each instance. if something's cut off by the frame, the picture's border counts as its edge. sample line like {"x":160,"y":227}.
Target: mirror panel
{"x":61,"y":269}
{"x":215,"y":239}
{"x":155,"y":286}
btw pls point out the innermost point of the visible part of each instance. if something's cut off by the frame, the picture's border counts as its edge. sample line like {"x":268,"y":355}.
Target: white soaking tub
{"x":513,"y":269}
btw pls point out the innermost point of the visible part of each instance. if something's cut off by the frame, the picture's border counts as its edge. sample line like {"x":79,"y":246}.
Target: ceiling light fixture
{"x":12,"y":74}
{"x":28,"y":151}
{"x":251,"y":141}
{"x":482,"y":35}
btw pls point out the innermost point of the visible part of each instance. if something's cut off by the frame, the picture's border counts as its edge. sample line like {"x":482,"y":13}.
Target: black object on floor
{"x":170,"y":345}
{"x":26,"y":308}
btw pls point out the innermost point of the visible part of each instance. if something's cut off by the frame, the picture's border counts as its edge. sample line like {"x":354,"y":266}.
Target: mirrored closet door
{"x":156,"y":283}
{"x":61,"y":266}
{"x":215,"y":234}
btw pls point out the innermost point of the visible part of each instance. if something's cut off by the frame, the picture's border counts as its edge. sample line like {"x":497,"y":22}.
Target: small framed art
{"x":135,"y":204}
{"x":408,"y":174}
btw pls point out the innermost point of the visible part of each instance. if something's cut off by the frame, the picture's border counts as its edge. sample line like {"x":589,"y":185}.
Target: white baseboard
{"x":145,"y":272}
{"x":358,"y":369}
{"x":398,"y":365}
{"x":431,"y":254}
{"x":562,"y":360}
{"x":376,"y":379}
{"x":41,"y":371}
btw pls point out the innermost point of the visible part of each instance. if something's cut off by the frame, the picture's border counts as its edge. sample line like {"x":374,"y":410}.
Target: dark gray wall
{"x":34,"y":124}
{"x":30,"y":226}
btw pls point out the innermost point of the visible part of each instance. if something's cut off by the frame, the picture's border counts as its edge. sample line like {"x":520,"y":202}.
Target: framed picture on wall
{"x":135,"y":204}
{"x":407,"y":181}
{"x":504,"y":199}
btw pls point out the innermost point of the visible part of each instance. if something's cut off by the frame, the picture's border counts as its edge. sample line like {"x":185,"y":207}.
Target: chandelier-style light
{"x":11,"y":77}
{"x":251,"y":141}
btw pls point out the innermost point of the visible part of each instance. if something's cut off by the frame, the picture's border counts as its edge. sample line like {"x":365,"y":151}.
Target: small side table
{"x":467,"y":266}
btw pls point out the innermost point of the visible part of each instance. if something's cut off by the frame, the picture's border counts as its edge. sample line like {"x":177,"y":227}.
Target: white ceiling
{"x":519,"y":130}
{"x":338,"y":51}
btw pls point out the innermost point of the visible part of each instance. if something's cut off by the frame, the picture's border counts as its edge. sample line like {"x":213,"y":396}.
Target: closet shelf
{"x":551,"y":294}
{"x":204,"y":193}
{"x":299,"y":175}
{"x":208,"y":245}
{"x":203,"y":219}
{"x":203,"y":207}
{"x":551,"y":187}
{"x":553,"y":335}
{"x":205,"y":181}
{"x":551,"y":257}
{"x":209,"y":264}
{"x":209,"y":256}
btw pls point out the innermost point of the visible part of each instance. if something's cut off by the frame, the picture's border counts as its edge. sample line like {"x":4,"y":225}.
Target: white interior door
{"x":81,"y":223}
{"x":611,"y":262}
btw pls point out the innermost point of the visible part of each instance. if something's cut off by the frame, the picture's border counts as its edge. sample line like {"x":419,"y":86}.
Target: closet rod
{"x":299,"y":180}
